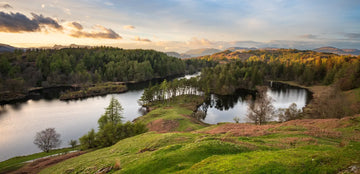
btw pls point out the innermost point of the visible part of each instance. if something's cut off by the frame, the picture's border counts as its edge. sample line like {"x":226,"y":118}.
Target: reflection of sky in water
{"x":282,"y":99}
{"x":71,"y":119}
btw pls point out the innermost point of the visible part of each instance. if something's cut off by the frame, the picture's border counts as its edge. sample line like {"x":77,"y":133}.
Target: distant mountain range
{"x":240,"y":49}
{"x":175,"y":54}
{"x":194,"y":53}
{"x":338,"y":51}
{"x":201,"y":51}
{"x":68,"y":46}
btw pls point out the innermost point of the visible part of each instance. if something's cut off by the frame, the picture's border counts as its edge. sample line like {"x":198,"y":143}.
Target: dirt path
{"x":38,"y":165}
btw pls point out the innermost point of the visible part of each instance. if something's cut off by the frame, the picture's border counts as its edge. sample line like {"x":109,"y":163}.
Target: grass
{"x":178,"y":111}
{"x":175,"y":114}
{"x":306,"y":159}
{"x":17,"y":162}
{"x":288,"y":149}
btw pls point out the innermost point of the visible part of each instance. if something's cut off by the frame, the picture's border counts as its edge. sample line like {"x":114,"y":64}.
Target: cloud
{"x":100,"y":32}
{"x":6,"y":6}
{"x":17,"y":22}
{"x":352,"y":35}
{"x":67,"y":11}
{"x":308,"y":36}
{"x":76,"y":25}
{"x":46,"y":21}
{"x":129,"y":27}
{"x":196,"y":41}
{"x":137,"y":38}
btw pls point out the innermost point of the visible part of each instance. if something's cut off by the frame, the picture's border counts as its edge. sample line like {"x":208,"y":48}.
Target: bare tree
{"x":47,"y":139}
{"x":261,"y":110}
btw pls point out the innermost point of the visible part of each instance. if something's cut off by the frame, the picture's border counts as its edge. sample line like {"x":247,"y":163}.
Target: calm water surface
{"x":225,"y":108}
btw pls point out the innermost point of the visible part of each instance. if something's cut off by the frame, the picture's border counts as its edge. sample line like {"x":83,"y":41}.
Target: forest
{"x":304,"y":67}
{"x":21,"y":69}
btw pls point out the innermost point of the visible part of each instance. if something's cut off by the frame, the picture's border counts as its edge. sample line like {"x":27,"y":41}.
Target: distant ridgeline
{"x":250,"y":68}
{"x":21,"y":70}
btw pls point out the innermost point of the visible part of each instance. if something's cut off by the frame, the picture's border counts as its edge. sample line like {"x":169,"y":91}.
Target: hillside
{"x":6,"y":48}
{"x":338,"y":51}
{"x":301,"y":146}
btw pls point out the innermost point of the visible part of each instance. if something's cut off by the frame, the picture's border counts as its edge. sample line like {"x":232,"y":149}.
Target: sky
{"x":180,"y":25}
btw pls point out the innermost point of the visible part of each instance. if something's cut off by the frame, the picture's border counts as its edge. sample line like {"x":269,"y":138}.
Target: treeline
{"x":168,"y":90}
{"x":43,"y":67}
{"x":304,"y":67}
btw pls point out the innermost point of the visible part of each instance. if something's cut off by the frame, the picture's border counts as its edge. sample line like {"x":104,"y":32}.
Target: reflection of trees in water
{"x":225,"y":102}
{"x":279,"y":88}
{"x":2,"y":110}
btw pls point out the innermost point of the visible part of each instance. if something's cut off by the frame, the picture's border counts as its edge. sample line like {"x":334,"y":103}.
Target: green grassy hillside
{"x":299,"y":146}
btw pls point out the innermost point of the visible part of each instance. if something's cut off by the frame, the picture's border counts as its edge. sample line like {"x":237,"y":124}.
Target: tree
{"x":47,"y":139}
{"x":261,"y":110}
{"x":236,"y":119}
{"x":290,"y":113}
{"x":72,"y":143}
{"x":88,"y":141}
{"x":112,"y":114}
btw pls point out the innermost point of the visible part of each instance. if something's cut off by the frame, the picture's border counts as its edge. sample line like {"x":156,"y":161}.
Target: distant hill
{"x":228,"y":55}
{"x":68,"y":46}
{"x":338,"y":51}
{"x":6,"y":48}
{"x":241,"y":49}
{"x":201,"y":52}
{"x":175,"y":54}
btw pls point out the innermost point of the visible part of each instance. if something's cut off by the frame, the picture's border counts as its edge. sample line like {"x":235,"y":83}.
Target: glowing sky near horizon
{"x":179,"y":25}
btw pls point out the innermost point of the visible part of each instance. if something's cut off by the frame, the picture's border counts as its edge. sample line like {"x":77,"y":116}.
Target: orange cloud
{"x":129,"y":27}
{"x":99,"y":32}
{"x":137,"y":38}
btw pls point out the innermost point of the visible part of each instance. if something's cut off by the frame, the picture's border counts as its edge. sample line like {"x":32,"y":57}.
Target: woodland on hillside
{"x":21,"y":70}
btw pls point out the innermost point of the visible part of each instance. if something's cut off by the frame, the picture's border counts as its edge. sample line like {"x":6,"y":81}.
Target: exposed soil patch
{"x":241,"y":129}
{"x":38,"y":165}
{"x":163,"y":126}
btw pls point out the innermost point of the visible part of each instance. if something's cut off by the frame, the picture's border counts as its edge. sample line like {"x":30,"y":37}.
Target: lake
{"x":72,"y":119}
{"x":223,"y":108}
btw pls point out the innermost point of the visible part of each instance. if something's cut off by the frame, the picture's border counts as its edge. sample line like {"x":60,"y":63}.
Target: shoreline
{"x":7,"y":97}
